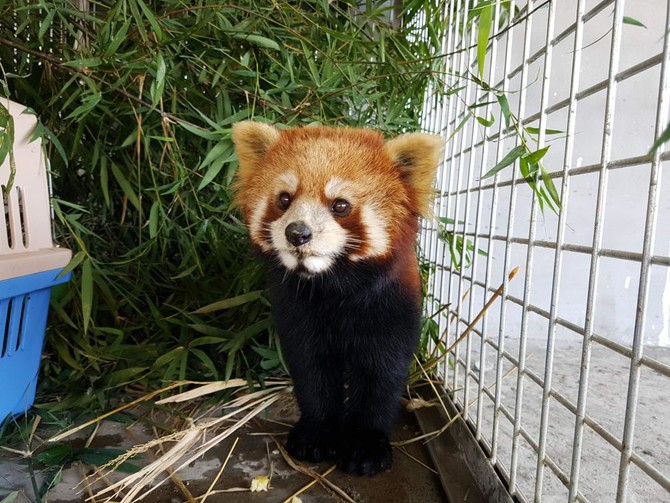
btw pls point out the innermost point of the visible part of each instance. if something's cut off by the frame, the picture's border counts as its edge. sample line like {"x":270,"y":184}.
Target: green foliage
{"x":6,"y":143}
{"x":530,"y":165}
{"x":460,"y":249}
{"x":136,"y":101}
{"x":633,"y":22}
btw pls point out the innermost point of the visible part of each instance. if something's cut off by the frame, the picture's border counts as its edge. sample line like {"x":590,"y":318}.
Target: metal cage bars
{"x":643,"y":292}
{"x":444,"y":119}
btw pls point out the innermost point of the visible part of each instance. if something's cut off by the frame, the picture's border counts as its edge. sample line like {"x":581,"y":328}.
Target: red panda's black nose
{"x":298,"y":233}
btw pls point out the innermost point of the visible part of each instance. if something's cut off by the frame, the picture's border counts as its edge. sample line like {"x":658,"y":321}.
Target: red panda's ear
{"x":416,"y":156}
{"x":252,"y":140}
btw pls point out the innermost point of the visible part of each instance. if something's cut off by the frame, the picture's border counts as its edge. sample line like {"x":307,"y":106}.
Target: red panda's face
{"x":312,"y":196}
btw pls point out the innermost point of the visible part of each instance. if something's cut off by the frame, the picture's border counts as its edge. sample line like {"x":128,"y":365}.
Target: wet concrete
{"x":256,"y":454}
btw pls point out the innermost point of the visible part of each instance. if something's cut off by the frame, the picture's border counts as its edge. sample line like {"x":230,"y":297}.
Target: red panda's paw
{"x":368,"y":454}
{"x":312,"y":441}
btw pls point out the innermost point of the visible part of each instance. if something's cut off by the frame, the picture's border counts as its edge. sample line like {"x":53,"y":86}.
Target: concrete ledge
{"x":464,"y":471}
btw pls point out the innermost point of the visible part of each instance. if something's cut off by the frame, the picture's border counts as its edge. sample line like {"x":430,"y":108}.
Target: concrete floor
{"x":408,"y":481}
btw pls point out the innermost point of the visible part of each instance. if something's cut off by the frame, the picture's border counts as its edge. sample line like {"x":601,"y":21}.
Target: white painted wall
{"x":627,"y":194}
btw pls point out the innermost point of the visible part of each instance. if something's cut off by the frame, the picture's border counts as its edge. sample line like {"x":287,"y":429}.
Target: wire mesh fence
{"x":564,"y":380}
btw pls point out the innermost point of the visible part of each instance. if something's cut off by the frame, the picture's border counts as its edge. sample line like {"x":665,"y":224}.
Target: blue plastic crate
{"x":24,"y":305}
{"x":30,"y":263}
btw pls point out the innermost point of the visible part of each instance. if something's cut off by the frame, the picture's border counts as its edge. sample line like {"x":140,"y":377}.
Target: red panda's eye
{"x":341,"y":207}
{"x":284,"y":201}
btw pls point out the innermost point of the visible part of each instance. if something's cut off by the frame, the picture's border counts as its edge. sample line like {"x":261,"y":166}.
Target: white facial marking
{"x":316,"y":265}
{"x":338,"y":188}
{"x":328,"y":237}
{"x":377,"y":236}
{"x":288,"y":182}
{"x":256,"y":225}
{"x":290,"y":261}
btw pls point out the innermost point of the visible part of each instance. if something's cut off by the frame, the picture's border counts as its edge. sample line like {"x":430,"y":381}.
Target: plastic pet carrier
{"x":30,"y":264}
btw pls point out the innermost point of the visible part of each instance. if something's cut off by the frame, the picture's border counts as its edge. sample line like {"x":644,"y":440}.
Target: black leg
{"x":315,"y":437}
{"x":372,"y":401}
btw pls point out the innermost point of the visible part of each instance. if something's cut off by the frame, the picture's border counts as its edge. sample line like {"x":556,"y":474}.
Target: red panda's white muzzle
{"x":307,"y":237}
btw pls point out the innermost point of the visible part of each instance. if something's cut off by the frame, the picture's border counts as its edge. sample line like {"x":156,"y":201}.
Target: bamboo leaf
{"x":663,"y":138}
{"x":217,"y":158}
{"x":125,"y":186}
{"x":524,"y":169}
{"x":45,"y":25}
{"x":118,"y":39}
{"x":230,"y":363}
{"x":270,"y":364}
{"x":151,"y":18}
{"x":485,"y":21}
{"x":185,"y":273}
{"x":104,"y":181}
{"x":449,"y":221}
{"x":153,"y":219}
{"x":202,"y":133}
{"x":486,"y":122}
{"x":74,"y":262}
{"x":504,"y":108}
{"x":632,"y":21}
{"x":212,"y":172}
{"x":551,"y":188}
{"x":460,"y":125}
{"x":124,"y":376}
{"x":535,"y":157}
{"x":7,"y":141}
{"x":54,"y":455}
{"x":64,"y":354}
{"x":231,"y":302}
{"x":535,"y":130}
{"x":511,"y":156}
{"x":45,"y":132}
{"x":258,"y":40}
{"x":86,"y":293}
{"x":245,"y":335}
{"x":221,"y":148}
{"x":202,"y":341}
{"x":217,"y":334}
{"x":83,"y":63}
{"x":159,"y":84}
{"x":170,"y":356}
{"x":88,"y":103}
{"x":207,"y":362}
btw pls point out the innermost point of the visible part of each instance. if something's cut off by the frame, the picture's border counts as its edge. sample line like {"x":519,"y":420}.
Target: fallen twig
{"x":311,"y":473}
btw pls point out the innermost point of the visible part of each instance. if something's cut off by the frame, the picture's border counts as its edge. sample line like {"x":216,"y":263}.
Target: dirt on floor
{"x":256,"y":454}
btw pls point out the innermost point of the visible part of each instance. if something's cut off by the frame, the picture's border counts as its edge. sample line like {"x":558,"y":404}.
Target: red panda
{"x":333,"y":212}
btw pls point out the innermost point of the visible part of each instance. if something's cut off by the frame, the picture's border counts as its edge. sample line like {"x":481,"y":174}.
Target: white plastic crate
{"x":30,"y":264}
